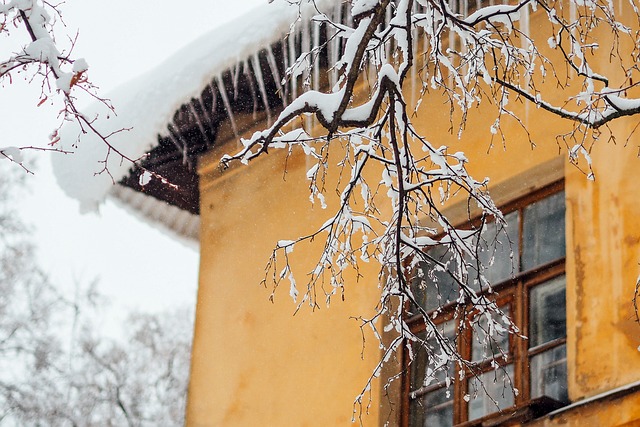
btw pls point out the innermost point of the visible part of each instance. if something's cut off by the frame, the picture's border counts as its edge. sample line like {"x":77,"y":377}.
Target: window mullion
{"x":521,"y":359}
{"x":464,"y":348}
{"x":520,"y":239}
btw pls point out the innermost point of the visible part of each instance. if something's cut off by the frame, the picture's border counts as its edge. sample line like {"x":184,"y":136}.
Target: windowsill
{"x":518,"y":414}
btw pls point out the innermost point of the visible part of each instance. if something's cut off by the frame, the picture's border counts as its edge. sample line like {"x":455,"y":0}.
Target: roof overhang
{"x":174,"y":113}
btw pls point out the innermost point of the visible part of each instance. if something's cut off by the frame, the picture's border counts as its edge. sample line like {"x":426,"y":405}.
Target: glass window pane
{"x":486,"y":346}
{"x":434,"y":409}
{"x":416,"y":413}
{"x":431,"y":286}
{"x":543,"y":231}
{"x":499,"y":249}
{"x":549,"y":374}
{"x":490,"y":392}
{"x":547,"y":312}
{"x":418,"y":364}
{"x":439,"y":408}
{"x":443,"y":417}
{"x":418,"y":285}
{"x":421,"y":355}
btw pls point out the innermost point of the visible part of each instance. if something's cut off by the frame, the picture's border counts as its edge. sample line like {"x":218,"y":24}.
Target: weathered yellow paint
{"x":256,"y":364}
{"x":619,"y":412}
{"x":603,"y":267}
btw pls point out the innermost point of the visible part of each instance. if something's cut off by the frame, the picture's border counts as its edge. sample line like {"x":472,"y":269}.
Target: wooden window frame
{"x":515,"y":293}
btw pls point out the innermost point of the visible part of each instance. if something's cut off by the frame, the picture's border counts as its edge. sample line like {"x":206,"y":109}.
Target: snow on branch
{"x":58,"y":72}
{"x":486,"y":56}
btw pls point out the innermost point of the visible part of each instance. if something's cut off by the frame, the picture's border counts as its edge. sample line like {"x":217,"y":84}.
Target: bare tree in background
{"x":57,"y":370}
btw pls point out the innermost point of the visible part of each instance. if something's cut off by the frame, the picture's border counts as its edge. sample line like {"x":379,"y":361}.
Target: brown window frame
{"x":515,"y":293}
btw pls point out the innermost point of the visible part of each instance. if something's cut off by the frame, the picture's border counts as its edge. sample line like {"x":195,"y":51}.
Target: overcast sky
{"x":138,"y":266}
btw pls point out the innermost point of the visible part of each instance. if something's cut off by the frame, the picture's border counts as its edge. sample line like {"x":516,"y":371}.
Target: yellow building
{"x":258,"y":361}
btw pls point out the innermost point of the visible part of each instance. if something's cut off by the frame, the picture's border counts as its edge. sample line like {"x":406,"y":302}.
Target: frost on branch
{"x":394,"y":180}
{"x":42,"y":61}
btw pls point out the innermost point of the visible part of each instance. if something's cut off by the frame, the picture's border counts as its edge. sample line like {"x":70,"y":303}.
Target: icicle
{"x":196,"y":116}
{"x":223,"y":93}
{"x":173,"y":139}
{"x":236,"y":74}
{"x":414,"y":28}
{"x":414,"y":82}
{"x":252,"y":89}
{"x":387,"y":46}
{"x":273,"y":66}
{"x":306,"y":50}
{"x":179,"y":142}
{"x":214,"y":100}
{"x":464,"y":46}
{"x":255,"y":61}
{"x":285,"y":55}
{"x":333,"y":47}
{"x":306,"y":75}
{"x":293,"y":81}
{"x":206,"y":114}
{"x":316,"y":58}
{"x":452,"y":44}
{"x":524,"y":26}
{"x":178,"y":117}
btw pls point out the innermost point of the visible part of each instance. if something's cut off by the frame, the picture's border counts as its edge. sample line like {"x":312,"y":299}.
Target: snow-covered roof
{"x":147,"y":104}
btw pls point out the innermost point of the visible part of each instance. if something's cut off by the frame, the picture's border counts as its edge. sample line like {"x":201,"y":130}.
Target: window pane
{"x":547,"y":312}
{"x":416,"y":413}
{"x":485,"y":346}
{"x":543,"y":231}
{"x":439,"y":408}
{"x":549,"y":374}
{"x":490,"y":392}
{"x":434,"y":409}
{"x":421,"y":357}
{"x":497,"y":246}
{"x":431,"y":286}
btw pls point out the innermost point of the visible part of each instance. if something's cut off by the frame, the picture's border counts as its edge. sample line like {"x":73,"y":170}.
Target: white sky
{"x":138,"y":266}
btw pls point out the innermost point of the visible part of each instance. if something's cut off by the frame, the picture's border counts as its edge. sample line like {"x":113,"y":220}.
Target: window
{"x":526,"y":272}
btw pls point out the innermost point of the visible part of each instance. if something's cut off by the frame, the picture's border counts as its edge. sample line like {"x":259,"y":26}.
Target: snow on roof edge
{"x":147,"y":103}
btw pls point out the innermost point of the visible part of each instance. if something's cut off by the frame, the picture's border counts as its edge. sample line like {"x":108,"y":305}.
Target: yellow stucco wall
{"x":618,"y":412}
{"x":255,"y":363}
{"x":604,"y":235}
